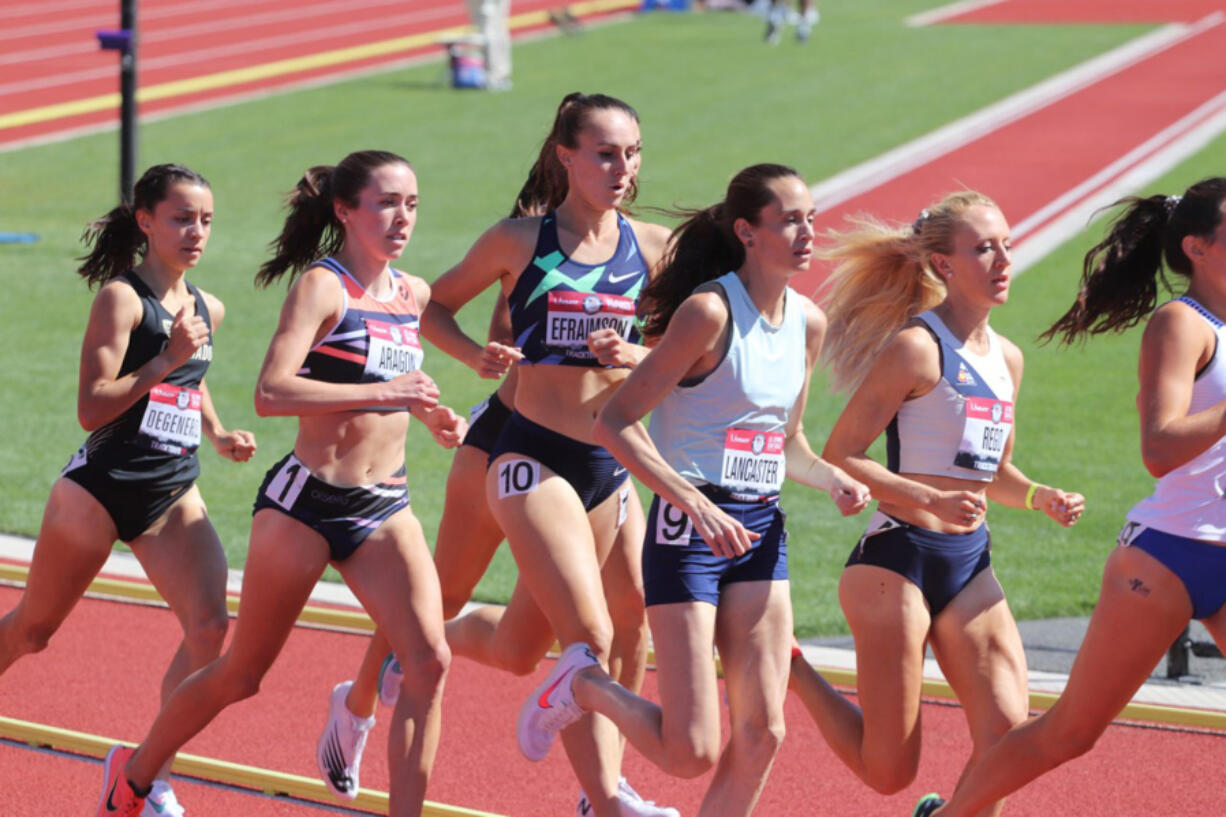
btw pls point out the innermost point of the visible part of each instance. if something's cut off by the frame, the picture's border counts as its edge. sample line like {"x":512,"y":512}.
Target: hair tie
{"x":1171,"y":203}
{"x":918,"y":224}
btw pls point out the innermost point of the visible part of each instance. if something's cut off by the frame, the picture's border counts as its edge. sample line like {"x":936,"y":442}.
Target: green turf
{"x":713,"y":99}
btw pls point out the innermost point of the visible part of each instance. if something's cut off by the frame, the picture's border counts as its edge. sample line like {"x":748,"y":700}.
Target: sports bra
{"x":557,"y":301}
{"x":374,"y":340}
{"x":960,"y":427}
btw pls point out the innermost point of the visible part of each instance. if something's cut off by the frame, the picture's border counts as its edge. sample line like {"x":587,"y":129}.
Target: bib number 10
{"x":517,"y":477}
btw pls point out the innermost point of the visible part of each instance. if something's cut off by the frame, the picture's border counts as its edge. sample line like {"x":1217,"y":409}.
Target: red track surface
{"x":101,"y":673}
{"x":49,"y":54}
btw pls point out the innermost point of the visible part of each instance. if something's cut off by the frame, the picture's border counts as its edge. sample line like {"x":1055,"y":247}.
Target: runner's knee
{"x":891,"y":775}
{"x":758,"y":739}
{"x":204,"y":638}
{"x":425,"y":669}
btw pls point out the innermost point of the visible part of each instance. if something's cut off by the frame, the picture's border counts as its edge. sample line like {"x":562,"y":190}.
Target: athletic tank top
{"x":958,"y":429}
{"x":374,"y":340}
{"x":1190,"y":500}
{"x":728,"y":429}
{"x":557,"y":301}
{"x":158,"y":435}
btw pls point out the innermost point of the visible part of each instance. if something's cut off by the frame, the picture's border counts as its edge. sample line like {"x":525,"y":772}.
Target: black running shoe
{"x":927,"y":804}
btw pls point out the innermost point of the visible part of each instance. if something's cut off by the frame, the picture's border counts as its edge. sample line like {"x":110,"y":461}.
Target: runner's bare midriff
{"x":565,"y":399}
{"x":351,"y":448}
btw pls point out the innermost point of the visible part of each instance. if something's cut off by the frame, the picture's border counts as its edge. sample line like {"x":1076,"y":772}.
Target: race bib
{"x":394,"y":349}
{"x":517,"y":477}
{"x":673,"y":527}
{"x":172,"y":419}
{"x":572,"y":316}
{"x":753,"y":461}
{"x":984,"y":433}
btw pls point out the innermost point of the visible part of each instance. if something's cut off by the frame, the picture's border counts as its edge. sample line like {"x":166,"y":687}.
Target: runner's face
{"x":783,"y":236}
{"x":979,"y":266}
{"x":1212,"y":257}
{"x":382,"y":222}
{"x":179,"y":226}
{"x":606,"y":160}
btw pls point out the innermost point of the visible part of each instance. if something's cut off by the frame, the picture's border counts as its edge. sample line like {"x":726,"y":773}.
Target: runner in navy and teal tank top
{"x":557,"y":301}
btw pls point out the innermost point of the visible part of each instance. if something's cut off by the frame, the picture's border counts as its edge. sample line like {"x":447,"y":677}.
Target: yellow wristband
{"x":1030,"y":492}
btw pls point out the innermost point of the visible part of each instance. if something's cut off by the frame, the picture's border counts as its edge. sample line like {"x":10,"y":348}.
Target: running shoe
{"x":927,"y":804}
{"x":118,"y":799}
{"x":551,"y":707}
{"x":390,"y":676}
{"x":339,"y":753}
{"x":804,"y":27}
{"x":162,"y":802}
{"x":630,"y":803}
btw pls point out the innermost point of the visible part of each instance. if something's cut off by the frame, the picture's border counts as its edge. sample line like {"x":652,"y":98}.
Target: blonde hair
{"x":883,"y":277}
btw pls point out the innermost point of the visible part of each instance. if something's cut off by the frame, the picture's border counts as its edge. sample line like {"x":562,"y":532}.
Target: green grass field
{"x":713,"y":100}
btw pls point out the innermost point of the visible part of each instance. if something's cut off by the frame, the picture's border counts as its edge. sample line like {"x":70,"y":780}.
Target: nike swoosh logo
{"x":110,"y":798}
{"x":543,"y":701}
{"x":617,"y":279}
{"x":158,"y":807}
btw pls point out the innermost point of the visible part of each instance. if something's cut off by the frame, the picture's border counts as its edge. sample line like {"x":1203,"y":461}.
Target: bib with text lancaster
{"x":753,"y":462}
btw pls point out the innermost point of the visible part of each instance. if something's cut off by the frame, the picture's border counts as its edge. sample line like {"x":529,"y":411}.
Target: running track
{"x":1068,"y":145}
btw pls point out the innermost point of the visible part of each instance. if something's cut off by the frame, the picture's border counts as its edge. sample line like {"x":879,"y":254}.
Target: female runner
{"x":578,"y":268}
{"x":909,"y":333}
{"x":1170,"y":565}
{"x":144,"y":401}
{"x":725,"y":429}
{"x":346,"y":360}
{"x":514,"y":638}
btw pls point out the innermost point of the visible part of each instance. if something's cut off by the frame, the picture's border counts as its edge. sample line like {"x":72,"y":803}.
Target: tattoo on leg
{"x":1138,"y":586}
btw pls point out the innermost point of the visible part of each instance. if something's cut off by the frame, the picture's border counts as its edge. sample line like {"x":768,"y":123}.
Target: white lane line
{"x":1053,"y":225}
{"x":876,"y":172}
{"x":936,"y":15}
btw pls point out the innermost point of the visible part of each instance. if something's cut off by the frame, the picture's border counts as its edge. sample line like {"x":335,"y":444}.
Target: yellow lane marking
{"x":269,"y":70}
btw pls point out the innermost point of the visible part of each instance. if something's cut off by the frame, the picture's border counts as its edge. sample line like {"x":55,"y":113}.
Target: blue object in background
{"x":18,"y":238}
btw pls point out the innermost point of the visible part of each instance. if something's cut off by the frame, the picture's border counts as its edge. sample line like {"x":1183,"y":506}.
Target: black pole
{"x":127,"y":105}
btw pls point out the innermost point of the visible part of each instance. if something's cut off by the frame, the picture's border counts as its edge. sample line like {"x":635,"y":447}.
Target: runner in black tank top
{"x":143,"y":396}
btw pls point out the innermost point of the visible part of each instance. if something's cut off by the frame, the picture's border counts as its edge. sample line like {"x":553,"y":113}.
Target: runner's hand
{"x":447,"y":427}
{"x":964,"y":508}
{"x":496,"y":360}
{"x":849,"y":494}
{"x":415,"y":390}
{"x":611,"y":349}
{"x":724,"y":535}
{"x":1062,"y":506}
{"x":236,"y":445}
{"x":187,"y":334}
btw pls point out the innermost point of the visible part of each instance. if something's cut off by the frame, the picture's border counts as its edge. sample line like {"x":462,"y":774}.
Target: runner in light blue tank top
{"x":727,"y":381}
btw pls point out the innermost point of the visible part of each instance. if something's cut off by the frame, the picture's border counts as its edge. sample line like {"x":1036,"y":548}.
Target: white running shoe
{"x":339,"y":753}
{"x":551,"y":707}
{"x":630,"y":804}
{"x":390,"y":676}
{"x":161,"y":801}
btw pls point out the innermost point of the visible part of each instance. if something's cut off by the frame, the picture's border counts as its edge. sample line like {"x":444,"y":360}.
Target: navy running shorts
{"x":679,"y":567}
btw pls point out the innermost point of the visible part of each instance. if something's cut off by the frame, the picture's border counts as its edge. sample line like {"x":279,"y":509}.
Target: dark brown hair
{"x":1120,"y":276}
{"x":704,"y":247}
{"x":115,"y":240}
{"x":547,"y":185}
{"x":311,"y":230}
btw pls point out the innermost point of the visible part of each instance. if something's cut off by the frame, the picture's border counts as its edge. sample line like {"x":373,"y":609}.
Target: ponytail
{"x":884,"y":277}
{"x":704,"y":247}
{"x":547,"y":184}
{"x":1122,"y":274}
{"x":311,"y":230}
{"x":115,"y":241}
